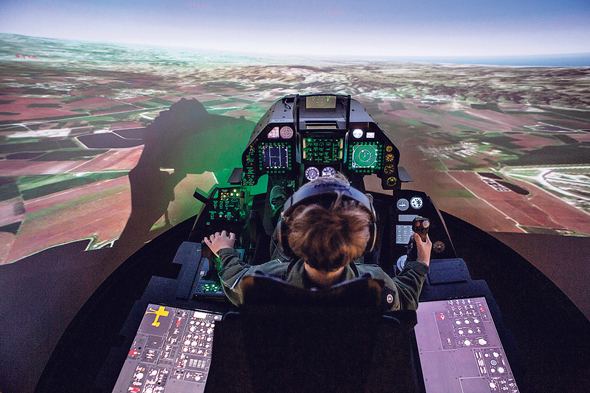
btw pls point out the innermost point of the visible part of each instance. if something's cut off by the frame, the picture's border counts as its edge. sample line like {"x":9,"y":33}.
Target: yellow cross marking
{"x":160,"y":313}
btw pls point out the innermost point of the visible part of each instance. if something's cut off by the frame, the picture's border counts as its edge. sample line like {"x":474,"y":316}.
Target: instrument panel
{"x":305,"y":137}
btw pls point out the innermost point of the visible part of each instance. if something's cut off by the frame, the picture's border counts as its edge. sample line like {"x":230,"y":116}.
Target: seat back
{"x":286,"y":339}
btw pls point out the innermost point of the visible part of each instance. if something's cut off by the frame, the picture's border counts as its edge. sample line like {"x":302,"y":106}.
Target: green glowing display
{"x":365,"y":156}
{"x":323,"y":150}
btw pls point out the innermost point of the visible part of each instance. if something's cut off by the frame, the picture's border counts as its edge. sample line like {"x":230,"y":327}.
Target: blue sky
{"x":317,"y":28}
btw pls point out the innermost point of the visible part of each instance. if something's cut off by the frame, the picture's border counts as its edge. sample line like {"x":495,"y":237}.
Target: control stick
{"x":420,"y":225}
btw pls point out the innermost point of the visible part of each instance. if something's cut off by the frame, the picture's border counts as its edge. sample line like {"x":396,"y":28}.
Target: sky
{"x":372,"y":28}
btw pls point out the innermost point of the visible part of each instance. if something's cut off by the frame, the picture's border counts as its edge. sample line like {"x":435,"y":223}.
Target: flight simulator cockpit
{"x":460,"y":343}
{"x":301,"y":138}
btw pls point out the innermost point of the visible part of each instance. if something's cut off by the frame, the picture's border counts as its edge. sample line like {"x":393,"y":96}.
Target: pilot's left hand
{"x":217,"y":241}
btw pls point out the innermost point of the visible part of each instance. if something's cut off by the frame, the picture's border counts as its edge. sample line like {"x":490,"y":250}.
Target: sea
{"x":66,"y":52}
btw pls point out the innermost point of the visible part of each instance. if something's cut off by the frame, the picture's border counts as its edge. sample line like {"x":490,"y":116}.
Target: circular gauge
{"x":357,"y":133}
{"x":328,"y":172}
{"x":438,"y":246}
{"x":403,"y":204}
{"x":286,"y":132}
{"x":389,"y":158}
{"x":389,"y":169}
{"x":389,"y":149}
{"x":417,"y":203}
{"x":391,"y":181}
{"x":312,"y":173}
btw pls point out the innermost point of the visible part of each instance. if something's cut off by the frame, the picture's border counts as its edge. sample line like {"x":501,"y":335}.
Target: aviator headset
{"x":319,"y":191}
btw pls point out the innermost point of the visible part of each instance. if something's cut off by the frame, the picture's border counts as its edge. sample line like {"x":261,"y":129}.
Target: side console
{"x":226,"y":208}
{"x":395,"y":215}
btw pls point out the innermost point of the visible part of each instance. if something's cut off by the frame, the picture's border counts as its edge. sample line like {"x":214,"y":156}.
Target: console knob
{"x":438,"y":247}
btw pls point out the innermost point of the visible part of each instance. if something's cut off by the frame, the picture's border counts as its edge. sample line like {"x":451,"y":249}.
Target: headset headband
{"x":323,"y":188}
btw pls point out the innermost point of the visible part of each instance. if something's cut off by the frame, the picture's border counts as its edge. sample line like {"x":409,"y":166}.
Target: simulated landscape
{"x":82,"y":151}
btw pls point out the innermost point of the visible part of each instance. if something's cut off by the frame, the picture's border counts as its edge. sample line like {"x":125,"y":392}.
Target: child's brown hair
{"x":328,"y":237}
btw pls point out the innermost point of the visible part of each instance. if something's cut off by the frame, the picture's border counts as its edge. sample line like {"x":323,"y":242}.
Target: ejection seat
{"x":287,"y":339}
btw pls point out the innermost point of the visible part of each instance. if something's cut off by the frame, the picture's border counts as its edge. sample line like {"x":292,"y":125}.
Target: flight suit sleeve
{"x":231,"y":270}
{"x":408,"y":285}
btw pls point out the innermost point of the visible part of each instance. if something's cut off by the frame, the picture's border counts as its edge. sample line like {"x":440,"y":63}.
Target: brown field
{"x":91,"y":103}
{"x":125,"y":125}
{"x":531,"y":141}
{"x":20,"y":106}
{"x":72,"y":194}
{"x":74,"y":215}
{"x":10,"y":211}
{"x":22,"y":168}
{"x":581,"y":137}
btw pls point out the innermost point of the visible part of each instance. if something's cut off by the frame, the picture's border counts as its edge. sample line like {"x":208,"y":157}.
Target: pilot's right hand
{"x":423,"y":248}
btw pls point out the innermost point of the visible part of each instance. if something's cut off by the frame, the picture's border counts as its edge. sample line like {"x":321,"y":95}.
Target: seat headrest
{"x":362,"y":292}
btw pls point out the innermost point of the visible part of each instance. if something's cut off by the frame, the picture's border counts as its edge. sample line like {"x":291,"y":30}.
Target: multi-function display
{"x":365,"y":155}
{"x":323,"y":150}
{"x":275,"y":156}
